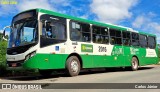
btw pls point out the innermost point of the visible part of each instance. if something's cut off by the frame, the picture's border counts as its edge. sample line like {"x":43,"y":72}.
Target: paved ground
{"x":147,"y":74}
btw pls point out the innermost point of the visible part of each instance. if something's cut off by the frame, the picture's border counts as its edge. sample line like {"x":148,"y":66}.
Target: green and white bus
{"x":47,"y":41}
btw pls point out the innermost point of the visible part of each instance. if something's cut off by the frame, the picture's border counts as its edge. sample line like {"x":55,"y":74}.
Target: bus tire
{"x":73,"y":66}
{"x":134,"y":64}
{"x":45,"y":72}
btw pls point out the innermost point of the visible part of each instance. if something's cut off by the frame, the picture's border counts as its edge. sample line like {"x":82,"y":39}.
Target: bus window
{"x":118,"y":38}
{"x":96,"y":29}
{"x":80,"y":32}
{"x":112,"y":36}
{"x":100,"y":35}
{"x":135,"y":39}
{"x":96,"y":38}
{"x":126,"y":38}
{"x":115,"y":37}
{"x":151,"y":42}
{"x":75,"y":32}
{"x":55,"y":30}
{"x":143,"y":40}
{"x":104,"y":33}
{"x":49,"y":30}
{"x":86,"y":34}
{"x":96,"y":34}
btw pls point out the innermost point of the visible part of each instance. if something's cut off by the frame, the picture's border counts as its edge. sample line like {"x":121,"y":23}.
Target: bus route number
{"x":102,"y":49}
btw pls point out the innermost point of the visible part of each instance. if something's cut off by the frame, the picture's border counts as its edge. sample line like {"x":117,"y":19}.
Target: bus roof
{"x":140,"y":32}
{"x":80,"y":19}
{"x":88,"y":21}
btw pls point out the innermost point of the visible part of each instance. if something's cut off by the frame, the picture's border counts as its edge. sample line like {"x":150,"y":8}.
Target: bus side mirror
{"x":4,"y":32}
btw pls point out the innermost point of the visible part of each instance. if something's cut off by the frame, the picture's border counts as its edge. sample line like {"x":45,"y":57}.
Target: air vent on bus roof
{"x":130,"y":29}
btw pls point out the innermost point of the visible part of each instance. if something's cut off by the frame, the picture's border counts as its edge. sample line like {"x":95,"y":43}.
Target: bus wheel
{"x":134,"y":64}
{"x":73,"y":66}
{"x":45,"y":72}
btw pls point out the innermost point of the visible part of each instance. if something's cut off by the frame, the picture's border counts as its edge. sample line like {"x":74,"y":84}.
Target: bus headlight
{"x":32,"y":54}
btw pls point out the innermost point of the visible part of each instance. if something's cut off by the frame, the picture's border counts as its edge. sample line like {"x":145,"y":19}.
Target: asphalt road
{"x":147,"y":74}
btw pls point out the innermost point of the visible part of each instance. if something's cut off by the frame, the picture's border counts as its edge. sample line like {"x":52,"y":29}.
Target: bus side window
{"x":135,"y":39}
{"x":143,"y":40}
{"x":118,"y":37}
{"x":75,"y":31}
{"x":96,"y":34}
{"x":86,"y":34}
{"x":80,"y":32}
{"x":48,"y":30}
{"x":126,"y":38}
{"x":113,"y":40}
{"x":53,"y":30}
{"x":100,"y":35}
{"x":151,"y":42}
{"x":43,"y":29}
{"x":112,"y":36}
{"x":104,"y":35}
{"x":115,"y":37}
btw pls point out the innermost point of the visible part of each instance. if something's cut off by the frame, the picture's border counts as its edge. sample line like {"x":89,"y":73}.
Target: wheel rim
{"x":134,"y":64}
{"x":74,"y":66}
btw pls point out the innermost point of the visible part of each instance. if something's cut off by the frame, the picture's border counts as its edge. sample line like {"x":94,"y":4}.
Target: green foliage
{"x":3,"y":47}
{"x":0,"y":36}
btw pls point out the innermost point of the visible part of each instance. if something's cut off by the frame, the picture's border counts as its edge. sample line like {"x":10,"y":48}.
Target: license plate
{"x":14,"y":65}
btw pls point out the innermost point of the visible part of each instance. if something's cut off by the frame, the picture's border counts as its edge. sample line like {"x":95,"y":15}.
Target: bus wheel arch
{"x":73,"y":64}
{"x":134,"y":63}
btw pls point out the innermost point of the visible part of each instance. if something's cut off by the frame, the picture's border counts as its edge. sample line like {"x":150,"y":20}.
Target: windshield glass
{"x":23,"y":33}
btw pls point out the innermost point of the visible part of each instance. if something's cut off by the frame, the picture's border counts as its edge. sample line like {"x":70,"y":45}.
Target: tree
{"x":3,"y":49}
{"x":0,"y":36}
{"x":158,"y":49}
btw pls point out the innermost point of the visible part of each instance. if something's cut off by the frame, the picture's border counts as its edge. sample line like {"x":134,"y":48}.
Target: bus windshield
{"x":23,"y":33}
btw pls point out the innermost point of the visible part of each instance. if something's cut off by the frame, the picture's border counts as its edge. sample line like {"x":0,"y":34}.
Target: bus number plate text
{"x":102,"y":49}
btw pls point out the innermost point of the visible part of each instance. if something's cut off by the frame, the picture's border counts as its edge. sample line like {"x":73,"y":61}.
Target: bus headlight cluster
{"x":30,"y":55}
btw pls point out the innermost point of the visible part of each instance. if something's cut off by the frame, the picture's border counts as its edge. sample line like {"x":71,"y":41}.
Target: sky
{"x":141,"y":15}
